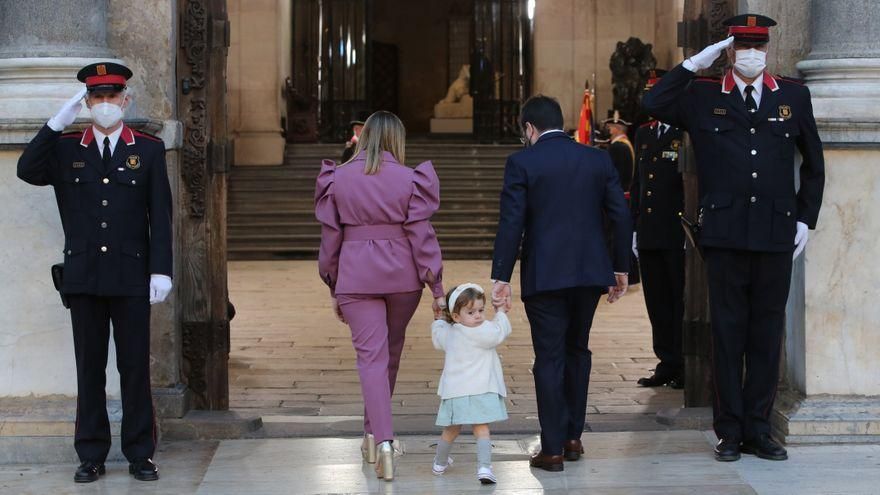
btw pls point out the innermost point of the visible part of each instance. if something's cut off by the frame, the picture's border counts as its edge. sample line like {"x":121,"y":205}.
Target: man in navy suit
{"x":556,"y":194}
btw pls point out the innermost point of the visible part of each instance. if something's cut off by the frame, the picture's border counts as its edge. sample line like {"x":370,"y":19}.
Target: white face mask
{"x":106,"y":114}
{"x":750,"y":62}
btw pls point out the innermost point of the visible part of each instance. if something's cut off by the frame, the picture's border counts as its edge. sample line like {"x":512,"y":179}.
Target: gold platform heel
{"x":385,"y":464}
{"x":368,"y":448}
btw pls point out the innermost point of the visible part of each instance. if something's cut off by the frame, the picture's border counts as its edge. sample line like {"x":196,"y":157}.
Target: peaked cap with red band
{"x":104,"y":76}
{"x":749,"y":28}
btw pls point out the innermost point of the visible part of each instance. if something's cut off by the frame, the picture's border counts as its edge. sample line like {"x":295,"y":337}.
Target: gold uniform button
{"x":754,"y":152}
{"x":105,"y":202}
{"x":788,"y":213}
{"x":106,"y":180}
{"x":103,"y":225}
{"x":752,"y":130}
{"x":650,"y":176}
{"x":133,"y":182}
{"x":103,"y":249}
{"x":649,"y":193}
{"x":650,"y":210}
{"x":654,"y":159}
{"x":76,"y":180}
{"x":753,"y":199}
{"x":754,"y":175}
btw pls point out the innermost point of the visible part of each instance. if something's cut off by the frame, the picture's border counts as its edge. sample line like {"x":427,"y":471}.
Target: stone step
{"x":243,"y":252}
{"x":308,"y":214}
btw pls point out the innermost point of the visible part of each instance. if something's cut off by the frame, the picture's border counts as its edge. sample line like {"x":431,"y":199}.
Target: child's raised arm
{"x":439,"y":332}
{"x":489,"y":336}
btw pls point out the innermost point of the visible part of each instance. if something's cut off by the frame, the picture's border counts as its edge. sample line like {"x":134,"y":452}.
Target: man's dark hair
{"x":541,"y":111}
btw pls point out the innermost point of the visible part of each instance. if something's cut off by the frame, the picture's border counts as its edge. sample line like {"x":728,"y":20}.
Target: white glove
{"x":160,"y":286}
{"x":68,"y":112}
{"x":705,"y":58}
{"x":800,"y":239}
{"x":635,"y":245}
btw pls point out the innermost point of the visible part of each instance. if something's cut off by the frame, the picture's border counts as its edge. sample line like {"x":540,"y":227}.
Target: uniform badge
{"x":675,"y":144}
{"x":720,"y":111}
{"x":670,"y":155}
{"x":101,"y":69}
{"x":79,"y":164}
{"x":133,"y":162}
{"x":784,"y":112}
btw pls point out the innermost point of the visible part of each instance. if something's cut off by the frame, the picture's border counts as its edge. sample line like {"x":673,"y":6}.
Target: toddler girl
{"x":471,"y":387}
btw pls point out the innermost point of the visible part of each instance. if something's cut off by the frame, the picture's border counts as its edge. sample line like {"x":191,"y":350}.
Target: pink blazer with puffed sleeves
{"x":376,"y":234}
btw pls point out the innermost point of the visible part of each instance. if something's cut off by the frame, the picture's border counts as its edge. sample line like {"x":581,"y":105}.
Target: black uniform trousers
{"x":91,"y":317}
{"x":560,"y":322}
{"x":663,"y":283}
{"x":747,"y":295}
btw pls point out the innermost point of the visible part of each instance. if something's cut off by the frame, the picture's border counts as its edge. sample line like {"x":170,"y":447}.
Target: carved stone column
{"x":836,"y":360}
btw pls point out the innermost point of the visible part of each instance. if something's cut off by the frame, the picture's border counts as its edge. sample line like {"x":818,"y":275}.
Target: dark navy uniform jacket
{"x":553,"y":200}
{"x":745,"y":162}
{"x":657,"y":195}
{"x":117,"y":222}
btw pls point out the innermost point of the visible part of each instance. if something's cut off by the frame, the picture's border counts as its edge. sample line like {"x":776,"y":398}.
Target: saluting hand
{"x":68,"y":112}
{"x":705,"y":58}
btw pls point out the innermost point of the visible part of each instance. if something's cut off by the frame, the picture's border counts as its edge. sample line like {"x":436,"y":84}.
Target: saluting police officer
{"x":114,"y":199}
{"x":745,"y":129}
{"x":657,"y":202}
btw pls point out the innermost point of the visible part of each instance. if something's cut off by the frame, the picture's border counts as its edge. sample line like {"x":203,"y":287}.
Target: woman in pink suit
{"x":378,"y":250}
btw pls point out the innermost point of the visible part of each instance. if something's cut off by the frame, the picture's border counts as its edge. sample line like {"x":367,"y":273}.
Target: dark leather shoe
{"x":573,"y":450}
{"x":659,"y":381}
{"x":547,"y":462}
{"x":677,"y":383}
{"x":727,"y":451}
{"x":144,"y":470}
{"x":765,"y":448}
{"x":89,"y":471}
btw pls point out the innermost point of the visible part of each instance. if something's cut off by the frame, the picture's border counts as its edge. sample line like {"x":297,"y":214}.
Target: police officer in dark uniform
{"x":657,"y":202}
{"x":114,"y":198}
{"x":745,"y":129}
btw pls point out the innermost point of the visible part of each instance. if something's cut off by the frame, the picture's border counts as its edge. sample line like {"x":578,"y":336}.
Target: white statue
{"x":458,"y":102}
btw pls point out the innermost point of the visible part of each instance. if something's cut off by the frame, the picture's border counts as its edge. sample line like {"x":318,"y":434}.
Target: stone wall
{"x":574,"y":39}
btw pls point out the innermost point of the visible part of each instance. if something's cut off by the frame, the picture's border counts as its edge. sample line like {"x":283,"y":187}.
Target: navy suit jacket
{"x":556,"y":195}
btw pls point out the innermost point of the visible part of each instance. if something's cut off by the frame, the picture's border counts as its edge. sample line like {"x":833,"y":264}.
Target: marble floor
{"x":637,"y":463}
{"x":292,"y":361}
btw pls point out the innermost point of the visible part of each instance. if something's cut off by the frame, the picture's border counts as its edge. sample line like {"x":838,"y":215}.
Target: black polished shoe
{"x":726,"y":451}
{"x":765,"y":448}
{"x":89,"y":471}
{"x":144,"y":470}
{"x":659,"y":381}
{"x":677,"y":383}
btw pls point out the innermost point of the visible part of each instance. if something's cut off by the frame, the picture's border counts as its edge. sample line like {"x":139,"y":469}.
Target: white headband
{"x":458,"y":290}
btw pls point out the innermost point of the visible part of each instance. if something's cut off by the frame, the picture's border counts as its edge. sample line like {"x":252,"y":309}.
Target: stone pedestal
{"x":836,"y":361}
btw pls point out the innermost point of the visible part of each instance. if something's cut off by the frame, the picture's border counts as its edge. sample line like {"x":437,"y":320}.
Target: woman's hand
{"x":439,"y":305}
{"x":337,"y":310}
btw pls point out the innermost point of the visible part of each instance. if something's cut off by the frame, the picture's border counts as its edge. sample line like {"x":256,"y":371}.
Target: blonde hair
{"x":382,"y":131}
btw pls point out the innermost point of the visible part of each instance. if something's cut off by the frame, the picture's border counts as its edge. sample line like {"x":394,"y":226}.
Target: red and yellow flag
{"x":584,"y":134}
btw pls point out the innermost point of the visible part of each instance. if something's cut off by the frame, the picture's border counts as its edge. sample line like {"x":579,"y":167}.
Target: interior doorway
{"x":350,"y":58}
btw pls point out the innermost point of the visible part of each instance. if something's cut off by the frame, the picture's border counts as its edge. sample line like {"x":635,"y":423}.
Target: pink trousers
{"x":378,"y":329}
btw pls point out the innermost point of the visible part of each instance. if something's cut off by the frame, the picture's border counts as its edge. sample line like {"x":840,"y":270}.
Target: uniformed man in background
{"x":745,"y":129}
{"x":657,"y":203}
{"x":620,"y":148}
{"x":114,"y":198}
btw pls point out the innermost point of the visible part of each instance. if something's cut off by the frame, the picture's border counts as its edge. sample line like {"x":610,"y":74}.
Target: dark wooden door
{"x":202,"y":295}
{"x":701,"y":25}
{"x":501,"y":67}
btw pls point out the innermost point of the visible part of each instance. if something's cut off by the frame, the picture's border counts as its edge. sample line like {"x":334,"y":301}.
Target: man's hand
{"x":705,"y":58}
{"x":800,"y":239}
{"x":502,"y":294}
{"x":337,"y":310}
{"x":616,"y":292}
{"x":160,"y":286}
{"x":635,"y":245}
{"x":438,"y":306}
{"x":68,"y":112}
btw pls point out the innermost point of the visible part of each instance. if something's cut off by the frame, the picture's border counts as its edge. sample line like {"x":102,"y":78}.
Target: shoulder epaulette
{"x":799,"y":82}
{"x":147,"y":136}
{"x":648,"y":124}
{"x":71,"y":135}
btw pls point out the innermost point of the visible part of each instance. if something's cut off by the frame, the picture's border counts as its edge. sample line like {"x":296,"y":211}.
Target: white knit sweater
{"x":472,"y":366}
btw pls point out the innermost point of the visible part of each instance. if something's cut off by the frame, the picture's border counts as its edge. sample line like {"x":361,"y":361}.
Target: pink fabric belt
{"x":373,"y":232}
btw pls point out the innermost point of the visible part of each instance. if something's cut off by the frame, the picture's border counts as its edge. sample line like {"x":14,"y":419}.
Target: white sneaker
{"x":486,"y":476}
{"x":438,"y":470}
